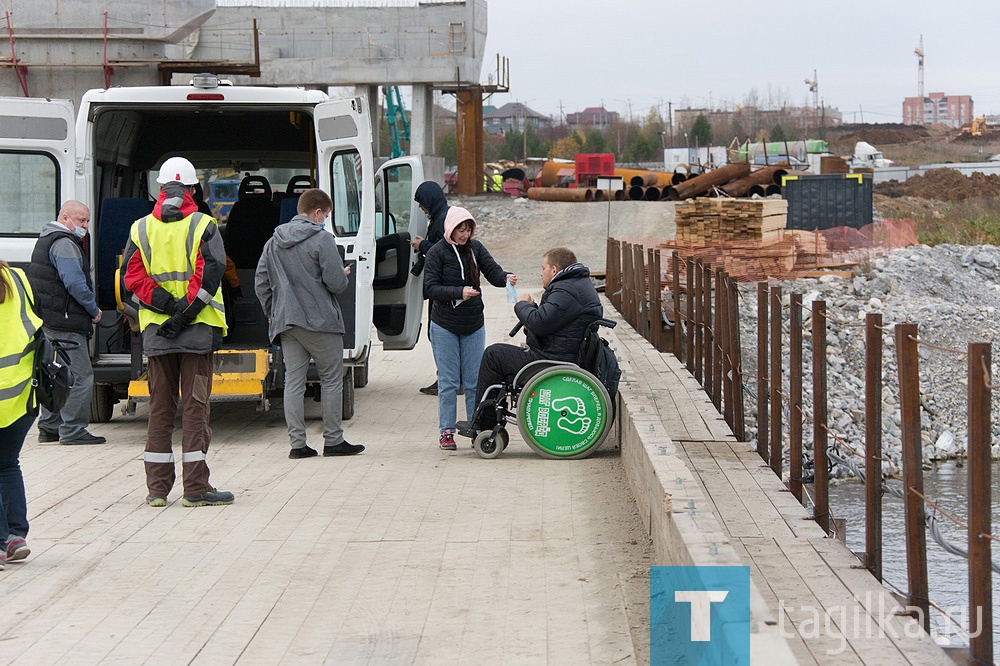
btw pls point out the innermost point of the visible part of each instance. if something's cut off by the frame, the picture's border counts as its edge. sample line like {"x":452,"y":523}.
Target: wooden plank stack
{"x":743,"y":260}
{"x":707,"y":220}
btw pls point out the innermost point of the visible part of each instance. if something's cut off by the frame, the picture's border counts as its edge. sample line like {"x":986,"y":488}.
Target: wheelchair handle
{"x":607,"y":323}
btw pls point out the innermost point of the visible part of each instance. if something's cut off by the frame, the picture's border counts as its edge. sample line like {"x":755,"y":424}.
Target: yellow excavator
{"x":975,"y":128}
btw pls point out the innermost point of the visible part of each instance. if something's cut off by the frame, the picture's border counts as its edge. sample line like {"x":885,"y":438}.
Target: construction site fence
{"x":697,"y":320}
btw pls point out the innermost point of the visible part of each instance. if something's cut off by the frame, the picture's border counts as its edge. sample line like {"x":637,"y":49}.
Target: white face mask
{"x":79,"y":232}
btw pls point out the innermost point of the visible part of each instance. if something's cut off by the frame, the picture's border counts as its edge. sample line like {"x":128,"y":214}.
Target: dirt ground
{"x":518,"y":231}
{"x":944,"y":185}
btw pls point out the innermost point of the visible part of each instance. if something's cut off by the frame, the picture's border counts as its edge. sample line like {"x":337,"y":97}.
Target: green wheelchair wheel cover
{"x":564,"y":412}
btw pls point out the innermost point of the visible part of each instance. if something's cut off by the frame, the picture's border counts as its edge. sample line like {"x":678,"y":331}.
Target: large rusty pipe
{"x":644,"y":180}
{"x":599,"y":195}
{"x":739,"y":187}
{"x":560,"y":194}
{"x":548,"y":176}
{"x":636,"y":192}
{"x":651,"y":194}
{"x":757,"y":190}
{"x":678,"y":178}
{"x":706,"y":181}
{"x":772,"y":189}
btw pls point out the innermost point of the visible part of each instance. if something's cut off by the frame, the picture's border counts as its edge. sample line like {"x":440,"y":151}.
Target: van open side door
{"x":346,"y":172}
{"x":37,"y":161}
{"x":398,"y":292}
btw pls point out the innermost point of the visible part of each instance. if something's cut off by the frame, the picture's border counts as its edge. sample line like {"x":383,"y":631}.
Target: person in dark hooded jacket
{"x":297,"y":281}
{"x":432,"y":201}
{"x":554,"y":327}
{"x":458,"y":327}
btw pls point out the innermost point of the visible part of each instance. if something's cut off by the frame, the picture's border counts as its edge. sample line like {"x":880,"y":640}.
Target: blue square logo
{"x":699,"y":615}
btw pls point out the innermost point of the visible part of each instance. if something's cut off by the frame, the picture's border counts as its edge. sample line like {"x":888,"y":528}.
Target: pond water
{"x":947,"y":574}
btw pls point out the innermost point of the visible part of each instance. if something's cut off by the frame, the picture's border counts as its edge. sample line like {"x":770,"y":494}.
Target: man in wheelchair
{"x":555,"y":329}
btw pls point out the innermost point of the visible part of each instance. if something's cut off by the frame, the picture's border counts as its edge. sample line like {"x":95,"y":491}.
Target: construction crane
{"x":919,"y":52}
{"x":395,"y":115}
{"x":813,"y":84}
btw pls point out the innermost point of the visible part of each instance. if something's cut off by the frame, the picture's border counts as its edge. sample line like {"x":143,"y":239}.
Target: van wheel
{"x":102,"y":403}
{"x":348,"y":402}
{"x":361,"y":375}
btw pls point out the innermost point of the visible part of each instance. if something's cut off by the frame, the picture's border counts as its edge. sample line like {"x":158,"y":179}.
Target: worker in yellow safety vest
{"x":18,"y":406}
{"x":175,"y":262}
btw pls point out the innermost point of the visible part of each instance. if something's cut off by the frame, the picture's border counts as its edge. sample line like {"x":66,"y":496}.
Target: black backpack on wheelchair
{"x":597,"y":358}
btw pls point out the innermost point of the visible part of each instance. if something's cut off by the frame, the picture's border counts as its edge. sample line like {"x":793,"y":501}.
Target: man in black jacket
{"x":64,"y":297}
{"x":554,"y":327}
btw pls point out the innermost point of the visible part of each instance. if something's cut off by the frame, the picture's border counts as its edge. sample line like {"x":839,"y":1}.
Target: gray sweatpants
{"x":327,"y":349}
{"x":72,"y":421}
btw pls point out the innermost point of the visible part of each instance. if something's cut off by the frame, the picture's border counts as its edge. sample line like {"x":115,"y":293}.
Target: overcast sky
{"x":648,"y":52}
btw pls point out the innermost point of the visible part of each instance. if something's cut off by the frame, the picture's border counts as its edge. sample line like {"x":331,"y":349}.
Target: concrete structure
{"x":514,"y":116}
{"x":61,"y":49}
{"x":937,"y":107}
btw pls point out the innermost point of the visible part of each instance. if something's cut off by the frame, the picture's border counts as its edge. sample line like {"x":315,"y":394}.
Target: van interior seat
{"x":289,"y":203}
{"x":116,"y":217}
{"x":251,"y":222}
{"x":289,"y":209}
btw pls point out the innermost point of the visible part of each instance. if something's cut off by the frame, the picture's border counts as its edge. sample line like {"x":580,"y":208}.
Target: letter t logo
{"x":701,"y":610}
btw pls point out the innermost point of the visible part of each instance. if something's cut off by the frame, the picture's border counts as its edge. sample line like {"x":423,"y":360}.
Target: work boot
{"x":85,"y":438}
{"x":210,"y":497}
{"x":45,"y":435}
{"x":430,"y":390}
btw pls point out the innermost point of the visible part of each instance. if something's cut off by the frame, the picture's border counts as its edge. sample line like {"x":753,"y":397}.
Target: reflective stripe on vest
{"x":18,"y":324}
{"x":172,"y":264}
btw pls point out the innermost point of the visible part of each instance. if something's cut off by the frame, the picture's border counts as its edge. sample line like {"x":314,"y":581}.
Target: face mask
{"x":79,"y":232}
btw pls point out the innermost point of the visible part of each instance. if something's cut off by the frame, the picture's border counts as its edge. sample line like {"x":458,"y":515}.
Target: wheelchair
{"x":562,"y":410}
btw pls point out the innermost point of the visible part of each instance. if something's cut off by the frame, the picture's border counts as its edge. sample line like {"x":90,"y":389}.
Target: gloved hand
{"x":171,"y":327}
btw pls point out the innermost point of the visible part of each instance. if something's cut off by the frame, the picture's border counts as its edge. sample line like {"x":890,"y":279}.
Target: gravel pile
{"x":952,"y":292}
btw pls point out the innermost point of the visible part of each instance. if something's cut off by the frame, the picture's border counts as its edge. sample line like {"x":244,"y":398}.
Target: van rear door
{"x":346,"y":172}
{"x":37,"y":155}
{"x":398,"y":293}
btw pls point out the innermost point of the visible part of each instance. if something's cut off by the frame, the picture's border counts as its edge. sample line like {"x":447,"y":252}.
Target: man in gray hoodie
{"x":297,"y":280}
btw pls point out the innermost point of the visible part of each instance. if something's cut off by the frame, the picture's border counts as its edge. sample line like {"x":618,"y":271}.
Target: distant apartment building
{"x":593,"y":117}
{"x":514,"y":116}
{"x":937,"y":107}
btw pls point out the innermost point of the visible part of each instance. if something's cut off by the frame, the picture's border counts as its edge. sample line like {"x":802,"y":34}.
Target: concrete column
{"x":375,"y":108}
{"x":422,"y":121}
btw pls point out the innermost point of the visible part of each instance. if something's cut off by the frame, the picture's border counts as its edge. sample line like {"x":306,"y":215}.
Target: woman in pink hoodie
{"x":452,"y":279}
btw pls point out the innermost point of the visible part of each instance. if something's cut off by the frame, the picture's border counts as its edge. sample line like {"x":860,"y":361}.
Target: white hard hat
{"x":177,"y":168}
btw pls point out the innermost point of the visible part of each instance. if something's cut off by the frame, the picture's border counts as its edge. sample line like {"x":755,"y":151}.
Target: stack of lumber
{"x":742,"y":260}
{"x":811,"y":248}
{"x":706,"y":220}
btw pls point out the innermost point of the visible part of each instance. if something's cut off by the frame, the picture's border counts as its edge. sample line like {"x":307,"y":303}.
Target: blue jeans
{"x":457,"y":358}
{"x":13,"y":503}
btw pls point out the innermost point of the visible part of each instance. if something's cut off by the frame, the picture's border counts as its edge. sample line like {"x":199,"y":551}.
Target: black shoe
{"x":85,"y":438}
{"x":210,"y":497}
{"x":343,"y":449}
{"x":302,"y":452}
{"x":430,"y":390}
{"x":45,"y":435}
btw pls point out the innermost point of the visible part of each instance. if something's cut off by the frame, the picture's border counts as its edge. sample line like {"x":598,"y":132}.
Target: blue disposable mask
{"x":79,"y":232}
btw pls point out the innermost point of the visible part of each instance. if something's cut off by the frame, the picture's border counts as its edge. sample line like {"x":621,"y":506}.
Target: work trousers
{"x":72,"y":420}
{"x":192,"y":373}
{"x":500,"y":364}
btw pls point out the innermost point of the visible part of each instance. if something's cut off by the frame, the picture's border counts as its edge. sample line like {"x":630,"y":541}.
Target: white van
{"x":276,"y":141}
